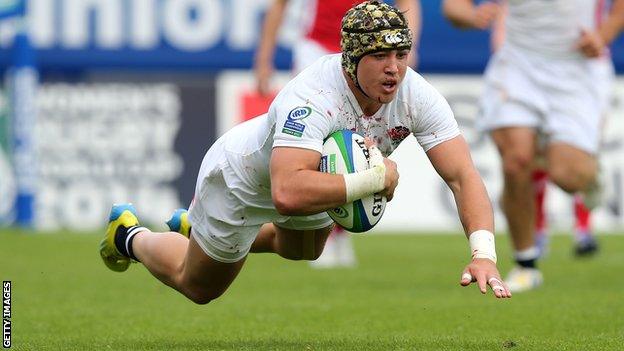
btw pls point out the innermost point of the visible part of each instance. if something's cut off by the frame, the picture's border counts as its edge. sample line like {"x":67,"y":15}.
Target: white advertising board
{"x":100,"y":144}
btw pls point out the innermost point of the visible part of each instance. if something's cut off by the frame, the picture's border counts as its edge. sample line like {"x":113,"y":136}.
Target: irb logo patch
{"x":299,"y":113}
{"x":292,"y":127}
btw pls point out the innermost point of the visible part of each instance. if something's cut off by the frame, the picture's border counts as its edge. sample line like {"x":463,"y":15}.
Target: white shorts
{"x":564,"y":99}
{"x":226,"y":214}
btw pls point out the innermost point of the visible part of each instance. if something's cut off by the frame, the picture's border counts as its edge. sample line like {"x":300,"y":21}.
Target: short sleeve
{"x":299,"y":125}
{"x":435,"y":122}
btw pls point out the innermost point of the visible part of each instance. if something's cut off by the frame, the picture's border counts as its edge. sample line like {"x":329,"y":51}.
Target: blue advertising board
{"x":10,"y":8}
{"x":206,"y":35}
{"x":143,"y":34}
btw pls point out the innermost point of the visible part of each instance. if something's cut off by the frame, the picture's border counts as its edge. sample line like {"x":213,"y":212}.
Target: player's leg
{"x":539,"y":179}
{"x":584,"y":239}
{"x":265,"y":240}
{"x":296,"y":244}
{"x":203,"y":267}
{"x":575,"y":170}
{"x":291,"y":244}
{"x":338,"y":251}
{"x":511,"y":108}
{"x":183,"y":265}
{"x":570,"y":168}
{"x":516,"y":146}
{"x":172,"y":258}
{"x":329,"y":258}
{"x":295,"y":237}
{"x":602,"y":73}
{"x":575,"y":125}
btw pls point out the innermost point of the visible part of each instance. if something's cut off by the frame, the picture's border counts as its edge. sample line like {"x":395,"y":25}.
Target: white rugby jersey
{"x":318,"y":102}
{"x":551,"y":27}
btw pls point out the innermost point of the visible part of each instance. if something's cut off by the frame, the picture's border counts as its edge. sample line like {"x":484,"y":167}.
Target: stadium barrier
{"x":101,"y":142}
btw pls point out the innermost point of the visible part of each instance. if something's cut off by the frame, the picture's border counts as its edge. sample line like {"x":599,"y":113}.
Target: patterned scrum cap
{"x":370,"y":27}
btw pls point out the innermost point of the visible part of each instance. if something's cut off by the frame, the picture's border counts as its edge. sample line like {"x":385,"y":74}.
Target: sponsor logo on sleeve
{"x":292,"y":127}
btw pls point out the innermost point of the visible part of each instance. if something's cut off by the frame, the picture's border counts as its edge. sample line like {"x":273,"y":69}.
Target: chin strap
{"x":357,"y":83}
{"x":362,"y":90}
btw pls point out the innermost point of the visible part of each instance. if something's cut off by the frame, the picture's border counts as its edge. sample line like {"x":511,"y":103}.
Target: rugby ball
{"x":345,"y":152}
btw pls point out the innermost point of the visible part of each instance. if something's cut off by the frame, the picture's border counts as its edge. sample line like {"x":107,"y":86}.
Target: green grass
{"x":404,"y":296}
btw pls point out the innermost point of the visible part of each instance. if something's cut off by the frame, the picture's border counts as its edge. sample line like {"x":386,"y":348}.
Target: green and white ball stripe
{"x":345,"y":152}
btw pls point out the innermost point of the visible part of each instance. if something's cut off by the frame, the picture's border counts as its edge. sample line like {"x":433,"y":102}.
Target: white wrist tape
{"x":375,"y":158}
{"x":482,"y":245}
{"x":370,"y":181}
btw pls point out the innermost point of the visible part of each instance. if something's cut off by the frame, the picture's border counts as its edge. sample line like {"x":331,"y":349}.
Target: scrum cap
{"x":370,"y":27}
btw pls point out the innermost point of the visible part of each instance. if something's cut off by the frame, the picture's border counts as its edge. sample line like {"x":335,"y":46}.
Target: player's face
{"x":381,"y":73}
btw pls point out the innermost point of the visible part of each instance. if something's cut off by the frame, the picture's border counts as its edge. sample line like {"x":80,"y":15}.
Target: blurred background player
{"x":585,"y":242}
{"x":321,"y":37}
{"x":550,"y":78}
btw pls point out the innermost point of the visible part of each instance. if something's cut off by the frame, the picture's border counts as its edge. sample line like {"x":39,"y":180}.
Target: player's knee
{"x":293,"y":255}
{"x":203,"y":296}
{"x":200,"y":300}
{"x":517,"y":165}
{"x":301,"y":254}
{"x":312,"y":251}
{"x":312,"y":255}
{"x":571,"y":178}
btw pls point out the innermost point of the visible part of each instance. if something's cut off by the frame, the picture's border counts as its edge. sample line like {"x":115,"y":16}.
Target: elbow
{"x":454,"y":187}
{"x":453,"y":17}
{"x":457,"y":23}
{"x":447,"y":12}
{"x":285,"y":202}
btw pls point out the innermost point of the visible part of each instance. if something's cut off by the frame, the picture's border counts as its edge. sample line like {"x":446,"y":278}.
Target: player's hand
{"x":483,"y":271}
{"x":263,"y":74}
{"x":392,"y":179}
{"x":590,"y":44}
{"x":391,"y":173}
{"x":484,"y":15}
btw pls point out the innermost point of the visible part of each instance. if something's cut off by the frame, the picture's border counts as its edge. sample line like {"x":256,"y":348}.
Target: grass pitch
{"x":403,"y":296}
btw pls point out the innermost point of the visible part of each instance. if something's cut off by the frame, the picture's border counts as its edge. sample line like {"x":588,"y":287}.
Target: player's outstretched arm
{"x":263,"y":61}
{"x":452,"y":161}
{"x":413,"y":13}
{"x":592,"y":43}
{"x":466,"y":14}
{"x":614,"y":23}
